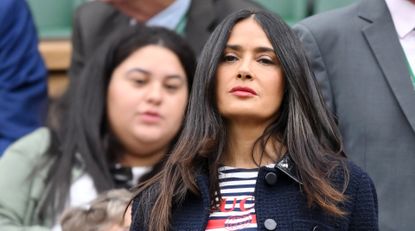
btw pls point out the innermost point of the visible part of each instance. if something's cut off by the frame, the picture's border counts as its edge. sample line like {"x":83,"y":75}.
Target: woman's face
{"x":250,"y":81}
{"x":147,"y":97}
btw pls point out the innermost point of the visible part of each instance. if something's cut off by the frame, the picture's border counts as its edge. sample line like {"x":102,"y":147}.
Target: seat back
{"x":291,"y":11}
{"x":324,"y":5}
{"x":53,"y":18}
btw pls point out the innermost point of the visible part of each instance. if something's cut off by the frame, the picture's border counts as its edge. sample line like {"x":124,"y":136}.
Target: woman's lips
{"x":150,"y":117}
{"x":243,"y":92}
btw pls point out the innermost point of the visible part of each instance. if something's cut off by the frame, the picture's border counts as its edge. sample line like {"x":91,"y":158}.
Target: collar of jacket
{"x":285,"y":165}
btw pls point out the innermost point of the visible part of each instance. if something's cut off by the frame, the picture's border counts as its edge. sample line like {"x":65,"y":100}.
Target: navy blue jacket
{"x":281,"y":205}
{"x":23,"y":83}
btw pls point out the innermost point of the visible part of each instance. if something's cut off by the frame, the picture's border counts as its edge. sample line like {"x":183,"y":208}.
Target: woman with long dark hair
{"x":259,"y":150}
{"x":115,"y":125}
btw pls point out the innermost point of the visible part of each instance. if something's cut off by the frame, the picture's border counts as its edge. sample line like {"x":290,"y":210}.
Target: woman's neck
{"x":241,"y":140}
{"x":141,"y":10}
{"x":142,"y":159}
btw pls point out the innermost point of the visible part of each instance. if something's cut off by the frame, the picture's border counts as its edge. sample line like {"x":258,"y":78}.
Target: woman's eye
{"x":229,"y":58}
{"x":172,"y":87}
{"x":140,"y":82}
{"x":267,"y":61}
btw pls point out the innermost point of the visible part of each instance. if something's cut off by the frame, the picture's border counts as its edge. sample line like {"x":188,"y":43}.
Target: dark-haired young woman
{"x":117,"y":121}
{"x":259,"y":150}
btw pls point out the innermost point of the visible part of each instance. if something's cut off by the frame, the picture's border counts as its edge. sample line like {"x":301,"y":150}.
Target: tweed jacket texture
{"x":282,"y":204}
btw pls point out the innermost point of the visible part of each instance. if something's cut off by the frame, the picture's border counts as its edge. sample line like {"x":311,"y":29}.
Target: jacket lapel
{"x":200,"y":23}
{"x":384,"y":43}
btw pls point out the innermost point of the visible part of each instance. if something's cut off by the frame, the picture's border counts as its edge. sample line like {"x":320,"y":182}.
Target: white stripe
{"x":224,"y":168}
{"x":237,"y":182}
{"x":239,"y":169}
{"x":238,"y":175}
{"x":237,"y":190}
{"x":232,"y":213}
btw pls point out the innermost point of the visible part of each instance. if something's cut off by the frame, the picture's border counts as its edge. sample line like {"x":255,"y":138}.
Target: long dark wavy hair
{"x":303,"y":125}
{"x":80,"y":129}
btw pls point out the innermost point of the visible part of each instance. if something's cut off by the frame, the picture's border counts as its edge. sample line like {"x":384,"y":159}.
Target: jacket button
{"x":270,"y":224}
{"x":271,"y":178}
{"x":315,"y":228}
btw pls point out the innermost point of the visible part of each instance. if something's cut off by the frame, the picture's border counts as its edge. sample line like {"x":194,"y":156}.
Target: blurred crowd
{"x":144,"y":132}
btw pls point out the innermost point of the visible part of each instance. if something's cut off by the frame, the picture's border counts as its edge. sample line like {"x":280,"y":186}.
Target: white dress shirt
{"x":403,"y":16}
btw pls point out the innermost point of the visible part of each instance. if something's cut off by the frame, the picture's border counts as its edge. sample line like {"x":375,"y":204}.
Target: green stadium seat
{"x":76,"y":3}
{"x":291,"y":11}
{"x":53,"y":18}
{"x":324,"y":5}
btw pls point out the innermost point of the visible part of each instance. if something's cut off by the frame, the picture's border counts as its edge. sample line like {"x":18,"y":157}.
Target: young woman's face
{"x":250,"y":81}
{"x":147,"y":97}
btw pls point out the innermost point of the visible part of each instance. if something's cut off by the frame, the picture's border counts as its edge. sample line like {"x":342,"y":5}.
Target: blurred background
{"x":54,"y":24}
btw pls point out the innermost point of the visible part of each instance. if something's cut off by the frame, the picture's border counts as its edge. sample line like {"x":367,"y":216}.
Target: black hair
{"x":303,"y":125}
{"x":79,"y":124}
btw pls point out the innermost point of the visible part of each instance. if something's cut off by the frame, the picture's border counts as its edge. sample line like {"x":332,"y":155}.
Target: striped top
{"x":237,"y":208}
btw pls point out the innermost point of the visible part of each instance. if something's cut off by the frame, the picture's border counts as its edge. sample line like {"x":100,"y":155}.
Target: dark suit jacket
{"x":360,"y":65}
{"x":23,"y":83}
{"x":281,"y":202}
{"x":95,"y":21}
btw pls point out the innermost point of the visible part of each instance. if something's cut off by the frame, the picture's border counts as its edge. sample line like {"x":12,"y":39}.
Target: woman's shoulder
{"x":31,"y":146}
{"x":357,"y":176}
{"x":34,"y":142}
{"x":25,"y":186}
{"x":361,"y":200}
{"x":361,"y":192}
{"x":351,"y":174}
{"x":354,"y":182}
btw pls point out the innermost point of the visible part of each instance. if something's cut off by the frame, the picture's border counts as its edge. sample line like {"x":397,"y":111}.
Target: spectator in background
{"x":363,"y":56}
{"x":23,"y":85}
{"x":105,"y":213}
{"x":259,"y":150}
{"x":113,"y":125}
{"x":194,"y":19}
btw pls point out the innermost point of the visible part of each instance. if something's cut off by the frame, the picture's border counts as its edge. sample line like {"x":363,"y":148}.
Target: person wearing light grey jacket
{"x":112,"y":129}
{"x":23,"y":188}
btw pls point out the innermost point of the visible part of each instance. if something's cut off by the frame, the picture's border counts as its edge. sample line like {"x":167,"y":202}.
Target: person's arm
{"x":21,"y":186}
{"x":317,"y":62}
{"x":23,"y":82}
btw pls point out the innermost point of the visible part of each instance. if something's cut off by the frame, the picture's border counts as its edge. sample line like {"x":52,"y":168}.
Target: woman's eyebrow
{"x":256,"y":49}
{"x":140,"y":70}
{"x":180,"y":77}
{"x":233,"y":47}
{"x":264,"y":49}
{"x":148,"y":73}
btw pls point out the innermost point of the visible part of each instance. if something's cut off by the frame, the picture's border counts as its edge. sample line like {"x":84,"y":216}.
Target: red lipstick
{"x":243,"y":91}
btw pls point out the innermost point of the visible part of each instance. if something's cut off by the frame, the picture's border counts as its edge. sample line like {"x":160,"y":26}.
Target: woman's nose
{"x":244,"y":70}
{"x":155,"y":93}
